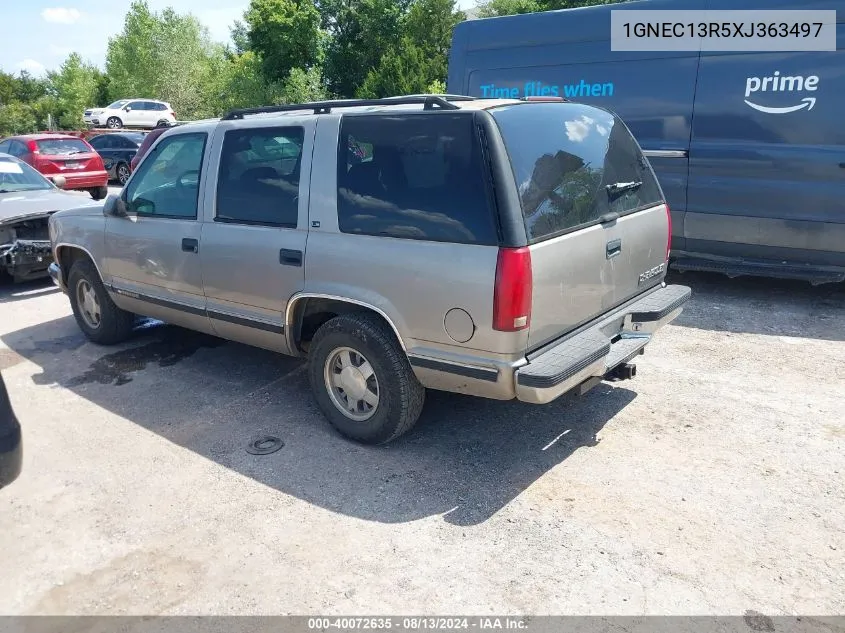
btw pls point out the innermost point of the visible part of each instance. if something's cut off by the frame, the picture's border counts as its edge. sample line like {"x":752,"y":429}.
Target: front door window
{"x":167,"y":183}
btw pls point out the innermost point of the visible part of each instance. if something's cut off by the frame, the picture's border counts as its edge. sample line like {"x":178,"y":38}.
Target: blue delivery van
{"x":749,"y":147}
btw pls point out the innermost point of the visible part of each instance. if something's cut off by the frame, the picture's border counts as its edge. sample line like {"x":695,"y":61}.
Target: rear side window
{"x":258,"y":182}
{"x":61,"y":146}
{"x":572,"y":164}
{"x":413,"y":176}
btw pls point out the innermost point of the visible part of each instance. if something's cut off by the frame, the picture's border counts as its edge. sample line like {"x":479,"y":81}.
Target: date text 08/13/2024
{"x":417,"y":623}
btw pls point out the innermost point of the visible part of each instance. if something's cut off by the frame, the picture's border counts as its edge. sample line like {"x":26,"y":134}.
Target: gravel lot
{"x":710,"y":484}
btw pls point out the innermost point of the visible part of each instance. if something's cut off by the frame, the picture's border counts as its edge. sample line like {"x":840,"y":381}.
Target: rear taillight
{"x":669,"y":237}
{"x":512,"y":293}
{"x":32,"y":146}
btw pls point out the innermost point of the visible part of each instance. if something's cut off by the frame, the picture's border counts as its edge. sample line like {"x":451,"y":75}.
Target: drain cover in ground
{"x":264,"y":445}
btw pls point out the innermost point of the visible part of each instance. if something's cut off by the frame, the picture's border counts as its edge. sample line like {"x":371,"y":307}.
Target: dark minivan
{"x":748,"y":147}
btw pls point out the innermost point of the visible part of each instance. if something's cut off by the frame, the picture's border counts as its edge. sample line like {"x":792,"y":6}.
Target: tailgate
{"x":595,"y":216}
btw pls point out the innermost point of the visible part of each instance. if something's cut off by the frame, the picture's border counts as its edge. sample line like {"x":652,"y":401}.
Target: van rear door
{"x":595,"y":216}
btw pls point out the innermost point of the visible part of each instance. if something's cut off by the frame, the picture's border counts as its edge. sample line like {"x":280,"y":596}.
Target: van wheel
{"x":114,"y":123}
{"x":362,"y":380}
{"x":96,"y":314}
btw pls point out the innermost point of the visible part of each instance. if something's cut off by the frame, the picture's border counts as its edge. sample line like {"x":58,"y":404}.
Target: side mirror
{"x":114,"y":206}
{"x":127,"y":108}
{"x":59,"y":180}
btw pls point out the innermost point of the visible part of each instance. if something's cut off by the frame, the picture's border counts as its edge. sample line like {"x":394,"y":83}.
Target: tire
{"x":114,"y":123}
{"x":122,"y":172}
{"x":99,"y":193}
{"x":163,"y":123}
{"x":400,"y":395}
{"x":115,"y":325}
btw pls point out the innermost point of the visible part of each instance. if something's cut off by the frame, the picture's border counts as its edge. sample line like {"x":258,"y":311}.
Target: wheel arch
{"x":68,"y":254}
{"x":306,"y":312}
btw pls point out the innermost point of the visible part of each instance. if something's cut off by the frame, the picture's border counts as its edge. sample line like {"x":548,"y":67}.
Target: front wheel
{"x":362,"y":380}
{"x":114,"y":123}
{"x":96,"y":314}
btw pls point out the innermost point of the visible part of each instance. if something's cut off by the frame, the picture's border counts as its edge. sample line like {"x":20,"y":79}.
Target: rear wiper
{"x":621,"y":187}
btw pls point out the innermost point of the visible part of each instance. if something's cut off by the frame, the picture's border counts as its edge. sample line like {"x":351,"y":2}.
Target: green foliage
{"x":16,"y":118}
{"x":304,"y":85}
{"x":165,"y":56}
{"x":285,"y":34}
{"x":360,"y":32}
{"x":75,"y":87}
{"x":420,"y":58}
{"x":493,"y":8}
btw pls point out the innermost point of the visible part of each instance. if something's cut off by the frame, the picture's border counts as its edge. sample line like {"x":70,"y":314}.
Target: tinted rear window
{"x":59,"y":146}
{"x":572,"y":164}
{"x":414,"y":176}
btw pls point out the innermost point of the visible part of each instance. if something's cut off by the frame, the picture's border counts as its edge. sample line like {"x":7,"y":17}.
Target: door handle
{"x":288,"y":257}
{"x":613,"y":248}
{"x":190,"y":245}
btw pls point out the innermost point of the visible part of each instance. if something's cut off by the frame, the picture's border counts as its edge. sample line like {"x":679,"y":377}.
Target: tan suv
{"x":500,"y":248}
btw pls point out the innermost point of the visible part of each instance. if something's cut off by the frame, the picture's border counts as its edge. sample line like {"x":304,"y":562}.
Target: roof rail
{"x":429,"y":102}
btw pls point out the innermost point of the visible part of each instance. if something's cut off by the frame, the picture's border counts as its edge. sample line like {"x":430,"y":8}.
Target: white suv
{"x":130,"y":113}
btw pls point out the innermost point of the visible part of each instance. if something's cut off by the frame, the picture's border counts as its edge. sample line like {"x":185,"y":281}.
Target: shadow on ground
{"x":757,"y":305}
{"x":11,"y":292}
{"x":466,"y":459}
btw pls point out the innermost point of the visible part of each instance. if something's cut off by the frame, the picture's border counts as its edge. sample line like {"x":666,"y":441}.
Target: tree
{"x":492,"y":8}
{"x":303,"y":86}
{"x":404,"y":70}
{"x":75,"y":88}
{"x":359,"y":33}
{"x":285,"y":35}
{"x":16,"y":118}
{"x":166,"y":56}
{"x":419,"y":61}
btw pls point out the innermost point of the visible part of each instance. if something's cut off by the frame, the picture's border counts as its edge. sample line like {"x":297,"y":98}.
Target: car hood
{"x":18,"y":205}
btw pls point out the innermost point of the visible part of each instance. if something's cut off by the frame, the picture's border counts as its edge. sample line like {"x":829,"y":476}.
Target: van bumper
{"x":591,"y":355}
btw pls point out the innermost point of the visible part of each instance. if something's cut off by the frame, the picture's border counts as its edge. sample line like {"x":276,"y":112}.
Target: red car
{"x":61,"y":155}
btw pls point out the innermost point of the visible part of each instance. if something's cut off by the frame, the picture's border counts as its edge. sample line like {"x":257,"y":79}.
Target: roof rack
{"x":429,"y":102}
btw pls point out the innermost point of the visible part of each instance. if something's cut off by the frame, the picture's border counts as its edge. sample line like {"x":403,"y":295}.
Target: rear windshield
{"x":573,"y":163}
{"x":61,"y":146}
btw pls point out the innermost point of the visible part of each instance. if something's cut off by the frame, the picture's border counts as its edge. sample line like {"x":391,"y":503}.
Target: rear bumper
{"x":86,"y":180}
{"x":597,"y":351}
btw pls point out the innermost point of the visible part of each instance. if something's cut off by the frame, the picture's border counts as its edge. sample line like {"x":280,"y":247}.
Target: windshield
{"x":17,"y":176}
{"x":62,"y":146}
{"x":117,"y":104}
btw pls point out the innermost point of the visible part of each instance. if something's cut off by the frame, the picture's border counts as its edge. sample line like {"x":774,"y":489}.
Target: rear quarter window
{"x":572,"y":164}
{"x":414,"y":176}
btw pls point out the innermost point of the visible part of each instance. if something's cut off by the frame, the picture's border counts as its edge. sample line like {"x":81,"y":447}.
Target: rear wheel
{"x":99,"y":193}
{"x":362,"y":380}
{"x":122,"y":172}
{"x":96,"y":314}
{"x":163,"y":123}
{"x":114,"y":123}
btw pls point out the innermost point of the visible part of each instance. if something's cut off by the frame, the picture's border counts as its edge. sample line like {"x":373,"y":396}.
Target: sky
{"x":37,"y":35}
